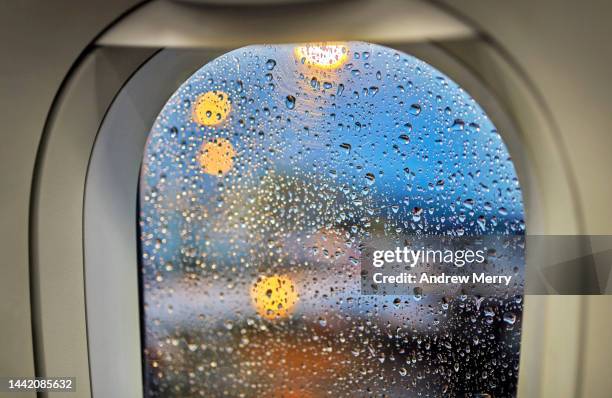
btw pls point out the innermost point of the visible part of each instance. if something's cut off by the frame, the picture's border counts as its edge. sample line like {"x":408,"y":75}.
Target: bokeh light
{"x":217,"y":156}
{"x":322,"y":55}
{"x":211,"y":108}
{"x":274,"y":296}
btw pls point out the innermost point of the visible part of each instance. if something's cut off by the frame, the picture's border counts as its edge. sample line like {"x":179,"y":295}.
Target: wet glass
{"x":263,"y":176}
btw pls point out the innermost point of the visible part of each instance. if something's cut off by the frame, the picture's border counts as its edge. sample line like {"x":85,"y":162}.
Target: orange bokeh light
{"x":274,"y":296}
{"x":211,"y":108}
{"x":217,"y":156}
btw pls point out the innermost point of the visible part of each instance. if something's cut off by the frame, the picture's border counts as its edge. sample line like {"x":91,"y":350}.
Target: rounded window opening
{"x":265,"y":176}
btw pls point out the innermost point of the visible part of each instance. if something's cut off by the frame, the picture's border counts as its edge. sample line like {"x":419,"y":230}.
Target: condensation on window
{"x":263,"y":175}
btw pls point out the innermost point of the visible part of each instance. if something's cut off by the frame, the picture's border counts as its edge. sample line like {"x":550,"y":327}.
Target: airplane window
{"x":263,"y":175}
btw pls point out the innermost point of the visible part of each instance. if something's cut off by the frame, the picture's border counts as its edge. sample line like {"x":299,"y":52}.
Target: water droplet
{"x":270,"y":64}
{"x":370,"y":178}
{"x":416,"y":214}
{"x":482,"y":222}
{"x":509,"y":318}
{"x":415,"y":109}
{"x":458,"y":125}
{"x":405,"y":138}
{"x":340,"y":89}
{"x":469,"y":203}
{"x":314,"y":83}
{"x":290,"y":102}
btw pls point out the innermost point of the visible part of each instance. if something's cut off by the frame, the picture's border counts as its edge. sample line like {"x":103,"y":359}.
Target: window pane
{"x":263,"y":176}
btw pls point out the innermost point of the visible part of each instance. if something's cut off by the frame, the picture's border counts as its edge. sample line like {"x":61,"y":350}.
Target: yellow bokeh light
{"x":211,"y":108}
{"x":322,"y":55}
{"x":217,"y":156}
{"x":274,"y":296}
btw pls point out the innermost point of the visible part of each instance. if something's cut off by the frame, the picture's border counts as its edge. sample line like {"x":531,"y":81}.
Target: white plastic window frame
{"x":86,"y":189}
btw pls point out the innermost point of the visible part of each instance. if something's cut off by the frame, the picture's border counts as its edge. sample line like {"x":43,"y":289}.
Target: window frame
{"x":108,"y":312}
